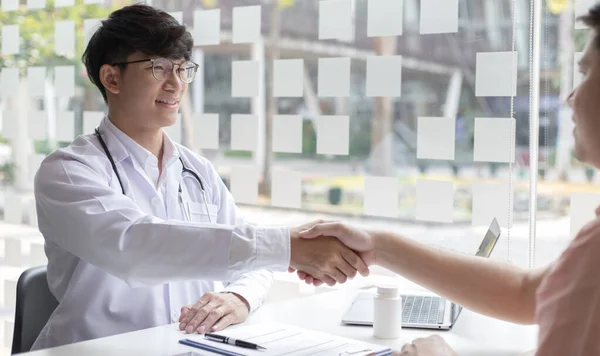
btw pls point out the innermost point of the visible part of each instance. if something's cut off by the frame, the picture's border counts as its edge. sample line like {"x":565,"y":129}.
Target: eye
{"x":158,"y":68}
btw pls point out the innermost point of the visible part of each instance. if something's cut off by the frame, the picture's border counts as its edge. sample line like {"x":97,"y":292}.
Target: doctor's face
{"x":585,"y":102}
{"x":149,"y":92}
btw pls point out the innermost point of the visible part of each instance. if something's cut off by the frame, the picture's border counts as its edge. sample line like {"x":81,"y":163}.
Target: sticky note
{"x":246,"y":24}
{"x":36,"y":4}
{"x":206,"y":130}
{"x":492,"y":200}
{"x":36,"y":81}
{"x":9,"y":124}
{"x":583,"y":210}
{"x":64,"y":38}
{"x":577,"y":76}
{"x":435,"y":201}
{"x":89,"y":28}
{"x":494,"y":140}
{"x":439,"y":16}
{"x":37,"y":255}
{"x":244,"y":132}
{"x":333,"y":135}
{"x":13,"y":251}
{"x":385,"y":18}
{"x":286,"y":188}
{"x":178,"y":15}
{"x":91,"y":120}
{"x":34,"y":162}
{"x":37,"y":125}
{"x":287,"y":133}
{"x":64,"y":81}
{"x":10,"y":39}
{"x":244,"y":79}
{"x":64,"y":3}
{"x":9,"y":81}
{"x":384,"y":76}
{"x":10,"y":297}
{"x":65,"y":126}
{"x":9,"y":327}
{"x":381,"y":196}
{"x":10,"y":5}
{"x":174,"y":131}
{"x":207,"y":27}
{"x":496,"y":74}
{"x":581,"y":8}
{"x":335,"y":19}
{"x":13,"y":209}
{"x":436,"y":138}
{"x":244,"y":184}
{"x":334,"y":77}
{"x":288,"y":78}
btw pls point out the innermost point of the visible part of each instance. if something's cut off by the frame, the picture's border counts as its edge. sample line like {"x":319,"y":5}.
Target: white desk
{"x":473,"y":334}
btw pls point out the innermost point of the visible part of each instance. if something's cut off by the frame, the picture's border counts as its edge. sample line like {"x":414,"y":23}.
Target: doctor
{"x":137,"y":227}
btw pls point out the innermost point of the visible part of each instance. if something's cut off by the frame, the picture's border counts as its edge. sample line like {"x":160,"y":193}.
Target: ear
{"x":110,"y":76}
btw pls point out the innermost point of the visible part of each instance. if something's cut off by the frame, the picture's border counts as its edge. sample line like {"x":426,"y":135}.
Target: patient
{"x":562,"y":298}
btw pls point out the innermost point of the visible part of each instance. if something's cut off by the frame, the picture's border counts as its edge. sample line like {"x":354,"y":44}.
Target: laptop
{"x":421,"y":311}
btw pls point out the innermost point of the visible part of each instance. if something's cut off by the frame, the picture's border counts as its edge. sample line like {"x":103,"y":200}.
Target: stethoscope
{"x":184,"y":170}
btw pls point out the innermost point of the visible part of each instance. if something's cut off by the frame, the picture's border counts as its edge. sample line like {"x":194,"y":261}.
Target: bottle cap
{"x":387,"y":291}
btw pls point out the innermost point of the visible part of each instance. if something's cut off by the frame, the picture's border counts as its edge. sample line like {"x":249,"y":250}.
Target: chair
{"x":35,"y":304}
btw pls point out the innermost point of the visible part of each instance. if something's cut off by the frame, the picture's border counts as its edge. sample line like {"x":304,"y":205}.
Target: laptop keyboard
{"x":422,"y":310}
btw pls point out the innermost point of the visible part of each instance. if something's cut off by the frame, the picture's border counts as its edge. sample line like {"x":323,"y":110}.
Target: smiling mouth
{"x":168,"y":102}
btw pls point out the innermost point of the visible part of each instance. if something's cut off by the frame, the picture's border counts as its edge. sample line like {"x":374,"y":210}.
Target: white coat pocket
{"x":198,"y":212}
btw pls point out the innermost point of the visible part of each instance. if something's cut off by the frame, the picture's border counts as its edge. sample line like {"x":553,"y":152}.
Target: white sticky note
{"x":32,"y":210}
{"x":583,"y":210}
{"x":581,"y":8}
{"x":9,"y":327}
{"x":381,"y":196}
{"x":439,"y":16}
{"x":335,"y":19}
{"x":64,"y":38}
{"x":287,"y":133}
{"x":12,"y":251}
{"x":244,"y":132}
{"x":206,"y":130}
{"x":10,"y":39}
{"x":64,"y":81}
{"x":288,"y":78}
{"x":37,"y":125}
{"x":207,"y":27}
{"x":34,"y":162}
{"x":333,"y":135}
{"x":178,"y":15}
{"x":36,"y":81}
{"x":493,"y":138}
{"x":9,"y":124}
{"x":384,"y":76}
{"x":10,"y":5}
{"x":286,"y":188}
{"x":93,"y":1}
{"x":37,"y":255}
{"x":174,"y":131}
{"x":89,"y":28}
{"x":244,"y":79}
{"x":9,"y":81}
{"x":36,"y":4}
{"x":385,"y":18}
{"x":244,"y":184}
{"x":13,"y":209}
{"x":334,"y":77}
{"x":91,"y":120}
{"x":491,"y":200}
{"x":246,"y":24}
{"x":436,"y":138}
{"x":64,"y":3}
{"x":496,"y":74}
{"x":65,"y":126}
{"x":435,"y":201}
{"x":10,"y":296}
{"x":577,"y":76}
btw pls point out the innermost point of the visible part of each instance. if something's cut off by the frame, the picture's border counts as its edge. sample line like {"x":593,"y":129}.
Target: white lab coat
{"x":121,"y":263}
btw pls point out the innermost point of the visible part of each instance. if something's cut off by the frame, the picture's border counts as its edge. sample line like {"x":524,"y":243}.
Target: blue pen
{"x":198,"y":345}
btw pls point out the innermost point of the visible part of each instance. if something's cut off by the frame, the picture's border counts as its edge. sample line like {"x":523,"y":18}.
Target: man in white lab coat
{"x":137,"y":227}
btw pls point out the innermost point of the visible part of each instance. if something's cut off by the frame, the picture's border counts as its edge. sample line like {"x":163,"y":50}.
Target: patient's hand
{"x":214,"y":312}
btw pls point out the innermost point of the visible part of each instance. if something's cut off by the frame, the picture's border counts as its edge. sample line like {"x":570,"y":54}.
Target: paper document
{"x":280,"y":339}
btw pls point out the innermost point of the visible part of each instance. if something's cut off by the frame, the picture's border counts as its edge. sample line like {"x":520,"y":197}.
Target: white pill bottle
{"x":387,"y":319}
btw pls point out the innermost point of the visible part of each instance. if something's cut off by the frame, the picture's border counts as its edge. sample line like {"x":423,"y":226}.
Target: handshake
{"x":330,"y":252}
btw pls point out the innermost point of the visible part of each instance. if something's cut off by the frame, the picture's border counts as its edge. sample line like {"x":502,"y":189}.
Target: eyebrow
{"x":583,"y":62}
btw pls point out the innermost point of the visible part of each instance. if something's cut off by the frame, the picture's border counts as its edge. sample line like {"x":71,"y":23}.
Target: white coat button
{"x":155,"y":201}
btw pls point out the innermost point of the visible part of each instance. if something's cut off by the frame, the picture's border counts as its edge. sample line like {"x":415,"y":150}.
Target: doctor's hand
{"x":214,"y":312}
{"x":430,"y":346}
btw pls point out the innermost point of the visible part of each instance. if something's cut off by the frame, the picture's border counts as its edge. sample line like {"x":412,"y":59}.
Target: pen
{"x":210,"y":348}
{"x":232,"y":341}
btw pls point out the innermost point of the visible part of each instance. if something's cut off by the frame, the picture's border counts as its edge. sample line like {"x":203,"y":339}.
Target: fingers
{"x":223,"y":323}
{"x":192,"y":311}
{"x":327,"y":280}
{"x":217,"y":314}
{"x":199,"y":320}
{"x":346,"y":268}
{"x":323,"y":229}
{"x":184,"y":311}
{"x":356,"y":262}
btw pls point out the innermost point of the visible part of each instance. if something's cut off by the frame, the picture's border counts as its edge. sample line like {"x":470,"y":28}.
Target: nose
{"x":570,"y":98}
{"x":173,"y":83}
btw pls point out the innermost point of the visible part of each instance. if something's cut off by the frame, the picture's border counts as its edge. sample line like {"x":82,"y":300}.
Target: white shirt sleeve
{"x":78,"y":211}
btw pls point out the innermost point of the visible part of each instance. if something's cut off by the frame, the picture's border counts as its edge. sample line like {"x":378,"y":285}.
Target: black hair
{"x":134,"y":28}
{"x":592,"y":20}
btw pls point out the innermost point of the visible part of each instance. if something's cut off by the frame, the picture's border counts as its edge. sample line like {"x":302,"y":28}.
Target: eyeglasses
{"x":162,"y":68}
